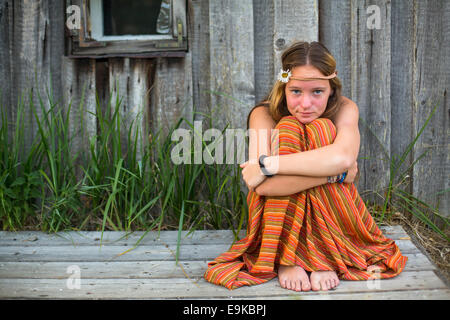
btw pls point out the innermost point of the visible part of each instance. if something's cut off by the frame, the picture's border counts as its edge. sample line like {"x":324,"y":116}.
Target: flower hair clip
{"x":284,"y":76}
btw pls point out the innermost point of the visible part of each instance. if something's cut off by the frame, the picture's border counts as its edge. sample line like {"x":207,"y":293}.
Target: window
{"x":129,"y":28}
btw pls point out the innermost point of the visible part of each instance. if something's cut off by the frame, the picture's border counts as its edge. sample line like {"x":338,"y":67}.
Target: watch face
{"x":261,"y":163}
{"x":262,"y":167}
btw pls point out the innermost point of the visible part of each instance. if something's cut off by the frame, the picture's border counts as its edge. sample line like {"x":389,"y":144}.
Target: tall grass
{"x":397,"y":199}
{"x":119,"y":180}
{"x":21,"y":183}
{"x":61,"y":188}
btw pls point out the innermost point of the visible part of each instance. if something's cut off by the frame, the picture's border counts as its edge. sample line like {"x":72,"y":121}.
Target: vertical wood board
{"x":334,"y":33}
{"x":171,"y":93}
{"x":370,"y":87}
{"x":231,"y":62}
{"x":431,"y":79}
{"x":293,"y":21}
{"x":198,"y":18}
{"x":79,"y":87}
{"x":263,"y":26}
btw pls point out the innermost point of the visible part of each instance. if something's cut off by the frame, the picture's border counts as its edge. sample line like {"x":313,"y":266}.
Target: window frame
{"x":88,"y":42}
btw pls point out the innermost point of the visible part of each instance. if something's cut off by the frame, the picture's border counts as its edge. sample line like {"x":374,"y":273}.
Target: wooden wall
{"x":395,"y":73}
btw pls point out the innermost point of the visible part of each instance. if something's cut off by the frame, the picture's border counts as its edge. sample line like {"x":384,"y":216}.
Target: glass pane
{"x":137,"y":17}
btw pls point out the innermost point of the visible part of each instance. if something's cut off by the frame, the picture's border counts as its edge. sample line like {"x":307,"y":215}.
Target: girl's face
{"x":307,"y":100}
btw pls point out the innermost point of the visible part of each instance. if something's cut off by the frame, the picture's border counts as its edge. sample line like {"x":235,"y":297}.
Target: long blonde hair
{"x":300,"y":54}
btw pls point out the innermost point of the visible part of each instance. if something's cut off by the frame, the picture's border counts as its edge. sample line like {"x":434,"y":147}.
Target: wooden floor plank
{"x":138,"y":269}
{"x":430,"y":294}
{"x":33,"y":238}
{"x":122,"y":253}
{"x":184,"y":288}
{"x":119,"y":238}
{"x":103,"y":270}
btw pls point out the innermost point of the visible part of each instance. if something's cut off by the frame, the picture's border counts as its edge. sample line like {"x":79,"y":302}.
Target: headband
{"x":285,"y":76}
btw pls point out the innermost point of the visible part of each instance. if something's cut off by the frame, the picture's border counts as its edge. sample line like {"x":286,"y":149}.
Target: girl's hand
{"x":252,"y":175}
{"x":351,"y":174}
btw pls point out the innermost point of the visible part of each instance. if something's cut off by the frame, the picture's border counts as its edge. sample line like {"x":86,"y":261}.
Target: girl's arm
{"x":329,"y":160}
{"x":343,"y":151}
{"x":283,"y":185}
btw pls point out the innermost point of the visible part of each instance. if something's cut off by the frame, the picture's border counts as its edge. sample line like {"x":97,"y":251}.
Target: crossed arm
{"x":303,"y":170}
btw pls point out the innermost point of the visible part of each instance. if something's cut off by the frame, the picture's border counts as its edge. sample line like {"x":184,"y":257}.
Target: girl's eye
{"x":295,"y":91}
{"x":317,"y":92}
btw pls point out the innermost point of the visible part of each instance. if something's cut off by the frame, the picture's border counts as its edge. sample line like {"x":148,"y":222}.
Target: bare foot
{"x":324,"y":280}
{"x":293,"y":278}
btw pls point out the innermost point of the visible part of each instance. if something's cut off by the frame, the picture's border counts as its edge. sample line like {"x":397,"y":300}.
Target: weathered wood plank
{"x":36,"y":49}
{"x":79,"y":238}
{"x":370,"y":87}
{"x":121,"y":253}
{"x":334,"y":33}
{"x":231,"y":62}
{"x":115,"y":238}
{"x":103,"y":270}
{"x":263,"y":26}
{"x":430,"y":87}
{"x":193,"y":288}
{"x":199,"y":44}
{"x":139,"y":269}
{"x":53,"y":47}
{"x":293,"y":21}
{"x":432,"y":294}
{"x":79,"y":92}
{"x":129,"y":82}
{"x":26,"y":59}
{"x":6,"y":103}
{"x":171,"y":94}
{"x":121,"y":100}
{"x":402,"y":55}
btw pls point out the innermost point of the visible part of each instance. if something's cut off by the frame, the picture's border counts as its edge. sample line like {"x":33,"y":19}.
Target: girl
{"x":306,"y":225}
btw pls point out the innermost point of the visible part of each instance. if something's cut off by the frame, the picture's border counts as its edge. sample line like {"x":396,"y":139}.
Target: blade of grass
{"x":111,"y":196}
{"x":180,"y":229}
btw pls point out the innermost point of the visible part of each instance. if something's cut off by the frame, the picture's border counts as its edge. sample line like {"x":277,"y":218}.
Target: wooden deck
{"x":45,"y":266}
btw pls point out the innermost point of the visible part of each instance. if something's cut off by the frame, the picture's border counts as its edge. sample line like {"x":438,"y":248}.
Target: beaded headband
{"x":285,"y":76}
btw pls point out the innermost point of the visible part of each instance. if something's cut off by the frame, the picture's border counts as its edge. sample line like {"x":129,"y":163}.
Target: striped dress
{"x":323,"y":228}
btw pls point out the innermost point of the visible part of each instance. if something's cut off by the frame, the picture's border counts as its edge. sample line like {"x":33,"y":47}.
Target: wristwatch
{"x":263,"y":168}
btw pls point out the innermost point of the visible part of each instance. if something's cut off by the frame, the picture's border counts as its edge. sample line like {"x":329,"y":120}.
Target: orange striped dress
{"x":323,"y":228}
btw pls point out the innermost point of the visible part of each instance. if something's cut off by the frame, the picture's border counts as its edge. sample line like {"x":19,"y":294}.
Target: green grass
{"x":396,"y":197}
{"x":21,"y":183}
{"x":121,"y":179}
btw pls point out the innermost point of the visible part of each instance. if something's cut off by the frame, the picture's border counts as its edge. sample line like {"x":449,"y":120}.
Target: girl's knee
{"x":321,"y":132}
{"x":292,"y":122}
{"x":323,"y":122}
{"x":288,"y":136}
{"x":288,"y":120}
{"x":293,"y":136}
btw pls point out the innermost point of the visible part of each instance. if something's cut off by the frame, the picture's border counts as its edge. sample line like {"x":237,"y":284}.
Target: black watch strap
{"x":262,"y":167}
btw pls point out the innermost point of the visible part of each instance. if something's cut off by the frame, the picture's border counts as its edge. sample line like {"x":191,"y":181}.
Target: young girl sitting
{"x":305,"y":225}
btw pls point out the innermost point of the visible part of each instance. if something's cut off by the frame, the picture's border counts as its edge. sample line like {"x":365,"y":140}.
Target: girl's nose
{"x":305,"y":101}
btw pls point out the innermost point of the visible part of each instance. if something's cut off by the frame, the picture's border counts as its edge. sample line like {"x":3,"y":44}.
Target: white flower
{"x":284,"y":76}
